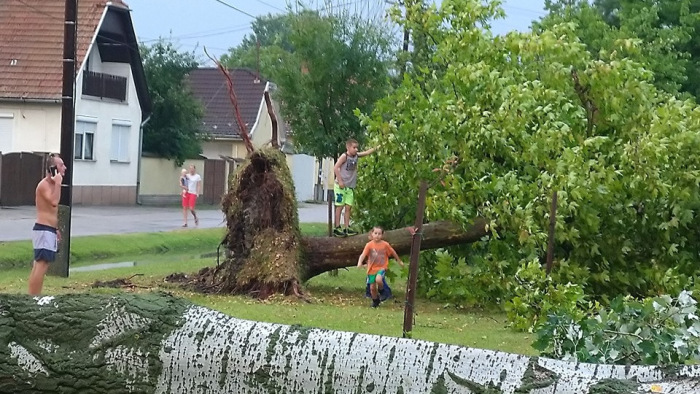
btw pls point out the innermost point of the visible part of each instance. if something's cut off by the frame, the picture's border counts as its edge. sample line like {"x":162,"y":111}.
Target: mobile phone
{"x":53,"y":170}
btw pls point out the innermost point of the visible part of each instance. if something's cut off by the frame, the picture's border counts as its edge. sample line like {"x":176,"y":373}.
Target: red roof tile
{"x":31,"y":44}
{"x":209,"y":86}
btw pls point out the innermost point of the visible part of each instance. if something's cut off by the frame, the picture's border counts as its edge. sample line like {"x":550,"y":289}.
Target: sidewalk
{"x":16,"y":222}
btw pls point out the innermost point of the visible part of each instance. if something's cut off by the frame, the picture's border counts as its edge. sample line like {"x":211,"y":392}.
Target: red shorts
{"x":189,"y":200}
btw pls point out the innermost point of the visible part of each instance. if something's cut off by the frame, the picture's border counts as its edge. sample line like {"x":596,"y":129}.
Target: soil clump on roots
{"x":263,"y":236}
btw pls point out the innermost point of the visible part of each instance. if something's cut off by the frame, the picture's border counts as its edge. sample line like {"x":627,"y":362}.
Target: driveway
{"x":16,"y":222}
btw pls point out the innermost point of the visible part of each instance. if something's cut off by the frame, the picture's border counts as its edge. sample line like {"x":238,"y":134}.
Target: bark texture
{"x":326,"y":253}
{"x":160,"y":344}
{"x":267,"y":252}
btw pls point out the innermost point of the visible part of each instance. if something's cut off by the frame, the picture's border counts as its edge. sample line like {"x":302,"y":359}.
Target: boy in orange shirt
{"x":378,"y":252}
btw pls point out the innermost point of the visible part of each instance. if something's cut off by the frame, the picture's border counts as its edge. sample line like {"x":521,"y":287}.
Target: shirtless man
{"x":45,"y":234}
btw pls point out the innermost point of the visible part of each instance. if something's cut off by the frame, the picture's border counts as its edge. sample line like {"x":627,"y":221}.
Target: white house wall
{"x":35,"y":126}
{"x":101,"y":180}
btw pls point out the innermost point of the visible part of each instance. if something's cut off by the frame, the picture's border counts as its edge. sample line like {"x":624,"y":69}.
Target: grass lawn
{"x":338,"y":303}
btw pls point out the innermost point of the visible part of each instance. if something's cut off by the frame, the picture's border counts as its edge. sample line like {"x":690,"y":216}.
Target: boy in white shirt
{"x":189,"y":199}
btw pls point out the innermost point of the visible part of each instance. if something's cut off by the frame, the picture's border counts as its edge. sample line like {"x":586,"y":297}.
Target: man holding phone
{"x":45,"y":234}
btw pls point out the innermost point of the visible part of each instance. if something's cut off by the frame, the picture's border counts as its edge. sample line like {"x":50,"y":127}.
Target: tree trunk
{"x":267,"y":253}
{"x":159,"y":344}
{"x":324,"y":253}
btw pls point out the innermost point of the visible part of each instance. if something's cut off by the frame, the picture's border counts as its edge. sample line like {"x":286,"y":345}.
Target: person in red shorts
{"x":377,"y":252}
{"x":192,"y":188}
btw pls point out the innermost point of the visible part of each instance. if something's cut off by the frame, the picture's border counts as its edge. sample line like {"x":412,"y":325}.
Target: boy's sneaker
{"x":375,"y":303}
{"x":338,"y":232}
{"x":350,"y":232}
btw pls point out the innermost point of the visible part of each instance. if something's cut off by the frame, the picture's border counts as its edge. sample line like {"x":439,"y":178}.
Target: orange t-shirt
{"x":377,"y":256}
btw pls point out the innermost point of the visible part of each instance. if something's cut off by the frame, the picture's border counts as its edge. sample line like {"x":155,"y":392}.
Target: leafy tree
{"x":172,"y":131}
{"x":524,"y":115}
{"x":326,"y":67}
{"x":665,"y":29}
{"x":269,"y":43}
{"x":339,"y":65}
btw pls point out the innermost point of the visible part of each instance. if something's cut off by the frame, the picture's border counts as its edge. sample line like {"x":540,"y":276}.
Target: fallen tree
{"x":267,"y":253}
{"x":156,"y":343}
{"x":325,"y":254}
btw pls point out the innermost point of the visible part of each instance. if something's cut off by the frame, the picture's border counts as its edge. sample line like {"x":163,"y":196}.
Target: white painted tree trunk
{"x":158,"y":344}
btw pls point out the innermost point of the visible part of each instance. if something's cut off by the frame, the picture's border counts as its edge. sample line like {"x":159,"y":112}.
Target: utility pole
{"x":70,"y":27}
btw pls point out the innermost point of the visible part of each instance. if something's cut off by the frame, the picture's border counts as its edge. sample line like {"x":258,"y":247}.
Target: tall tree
{"x":340,"y":65}
{"x":172,"y":131}
{"x":513,"y":119}
{"x":265,"y":48}
{"x":656,"y":33}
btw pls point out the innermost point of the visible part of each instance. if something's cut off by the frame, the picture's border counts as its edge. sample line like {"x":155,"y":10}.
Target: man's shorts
{"x":373,"y":278}
{"x":344,"y":196}
{"x":45,"y":242}
{"x":189,"y":200}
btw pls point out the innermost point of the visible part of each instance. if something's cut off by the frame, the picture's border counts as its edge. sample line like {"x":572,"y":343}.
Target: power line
{"x":192,"y":36}
{"x":40,"y":11}
{"x":270,"y":5}
{"x":526,"y":10}
{"x":235,"y":8}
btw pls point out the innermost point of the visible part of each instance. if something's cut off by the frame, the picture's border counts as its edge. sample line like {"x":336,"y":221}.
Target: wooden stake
{"x":413,"y":267}
{"x":552,"y":225}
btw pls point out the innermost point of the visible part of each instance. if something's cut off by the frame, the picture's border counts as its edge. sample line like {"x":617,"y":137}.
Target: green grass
{"x":100,"y":248}
{"x":337,"y":303}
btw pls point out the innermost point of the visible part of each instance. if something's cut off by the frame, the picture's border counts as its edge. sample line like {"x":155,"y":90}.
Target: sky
{"x":222,"y":24}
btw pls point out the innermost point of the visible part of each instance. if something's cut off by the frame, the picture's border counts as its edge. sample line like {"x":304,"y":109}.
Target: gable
{"x":210,"y":87}
{"x":31,"y":45}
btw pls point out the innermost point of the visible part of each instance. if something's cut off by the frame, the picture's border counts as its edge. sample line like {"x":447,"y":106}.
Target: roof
{"x":31,"y":46}
{"x":210,"y":87}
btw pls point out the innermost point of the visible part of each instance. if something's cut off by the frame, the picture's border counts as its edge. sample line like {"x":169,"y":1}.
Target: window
{"x":84,"y":140}
{"x":120,"y":142}
{"x":6,"y":132}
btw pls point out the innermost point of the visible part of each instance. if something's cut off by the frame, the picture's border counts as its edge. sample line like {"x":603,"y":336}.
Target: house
{"x":111,"y":95}
{"x":220,"y":126}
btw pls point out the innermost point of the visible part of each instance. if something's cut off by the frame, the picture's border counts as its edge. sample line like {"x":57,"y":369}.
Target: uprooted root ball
{"x":263,"y":234}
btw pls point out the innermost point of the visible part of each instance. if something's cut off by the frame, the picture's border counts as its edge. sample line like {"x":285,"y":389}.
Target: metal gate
{"x":214,"y":181}
{"x":20,"y":173}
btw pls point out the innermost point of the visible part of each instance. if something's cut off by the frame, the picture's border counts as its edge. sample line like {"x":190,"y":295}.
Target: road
{"x":16,"y":222}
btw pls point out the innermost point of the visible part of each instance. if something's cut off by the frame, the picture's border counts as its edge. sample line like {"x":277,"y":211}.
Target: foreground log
{"x":159,"y":344}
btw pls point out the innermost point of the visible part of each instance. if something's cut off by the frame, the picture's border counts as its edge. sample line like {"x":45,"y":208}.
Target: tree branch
{"x":234,"y":100}
{"x":273,"y":118}
{"x":586,"y":101}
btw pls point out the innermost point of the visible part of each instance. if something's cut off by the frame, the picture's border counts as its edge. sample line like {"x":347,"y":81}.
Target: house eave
{"x":31,"y":100}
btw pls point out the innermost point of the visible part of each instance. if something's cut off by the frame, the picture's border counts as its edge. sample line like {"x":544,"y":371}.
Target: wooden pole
{"x":70,"y":26}
{"x":330,"y":213}
{"x":273,"y":118}
{"x":413,"y":267}
{"x":552,"y":225}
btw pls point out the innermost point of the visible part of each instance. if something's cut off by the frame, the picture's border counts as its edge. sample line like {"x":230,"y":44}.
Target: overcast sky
{"x":216,"y":25}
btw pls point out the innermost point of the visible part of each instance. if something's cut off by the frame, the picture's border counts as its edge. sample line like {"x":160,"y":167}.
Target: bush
{"x":659,"y":331}
{"x":536,"y":296}
{"x":467,"y":282}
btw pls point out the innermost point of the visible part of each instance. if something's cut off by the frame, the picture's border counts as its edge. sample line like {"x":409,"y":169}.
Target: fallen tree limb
{"x":160,"y":344}
{"x":325,"y":253}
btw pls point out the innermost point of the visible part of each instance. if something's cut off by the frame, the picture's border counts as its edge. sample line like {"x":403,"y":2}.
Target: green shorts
{"x":344,"y":196}
{"x":373,"y":278}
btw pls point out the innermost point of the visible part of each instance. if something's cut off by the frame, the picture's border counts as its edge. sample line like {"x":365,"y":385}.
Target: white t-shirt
{"x":192,"y":182}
